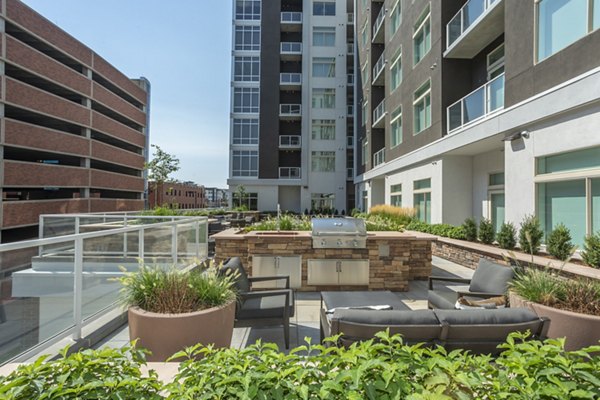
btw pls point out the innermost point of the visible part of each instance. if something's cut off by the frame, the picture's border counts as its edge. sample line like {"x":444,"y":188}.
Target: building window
{"x":323,"y":161}
{"x":324,"y":36}
{"x":396,"y":128}
{"x":245,"y":163}
{"x":365,"y":113}
{"x":396,"y":72}
{"x":245,"y":131}
{"x":496,"y":199}
{"x":364,"y":35}
{"x":496,"y":179}
{"x":562,"y":22}
{"x":246,"y":68}
{"x":247,"y":38}
{"x":495,"y":62}
{"x":396,"y":195}
{"x":322,"y":202}
{"x":248,"y":200}
{"x":323,"y":129}
{"x":323,"y":98}
{"x":245,"y":100}
{"x":395,"y":17}
{"x":364,"y":150}
{"x":324,"y":8}
{"x":573,"y":200}
{"x":422,"y":107}
{"x":364,"y":73}
{"x":422,"y":199}
{"x":422,"y":36}
{"x":247,"y":10}
{"x":323,"y":67}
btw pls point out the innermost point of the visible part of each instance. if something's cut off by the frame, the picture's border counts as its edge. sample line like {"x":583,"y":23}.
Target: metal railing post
{"x":78,"y":289}
{"x":125,"y":237}
{"x":141,"y":243}
{"x":197,"y":225}
{"x":174,"y":243}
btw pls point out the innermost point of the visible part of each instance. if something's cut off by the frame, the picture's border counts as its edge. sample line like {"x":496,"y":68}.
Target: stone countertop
{"x":238,"y":234}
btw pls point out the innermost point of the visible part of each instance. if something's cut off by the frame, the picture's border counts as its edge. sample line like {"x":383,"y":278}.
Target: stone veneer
{"x":408,"y":258}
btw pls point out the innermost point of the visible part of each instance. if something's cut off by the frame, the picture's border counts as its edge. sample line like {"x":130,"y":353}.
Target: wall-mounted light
{"x":517,"y":135}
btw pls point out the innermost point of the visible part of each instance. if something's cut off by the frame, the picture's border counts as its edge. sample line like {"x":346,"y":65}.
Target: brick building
{"x":74,"y":130}
{"x":185,"y":195}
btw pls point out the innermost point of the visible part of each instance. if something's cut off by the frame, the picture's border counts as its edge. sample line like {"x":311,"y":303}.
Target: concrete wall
{"x":457,"y":186}
{"x":484,"y":165}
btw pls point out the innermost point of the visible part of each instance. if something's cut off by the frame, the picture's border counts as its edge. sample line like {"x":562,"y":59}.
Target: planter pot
{"x":580,"y":330}
{"x":166,"y":334}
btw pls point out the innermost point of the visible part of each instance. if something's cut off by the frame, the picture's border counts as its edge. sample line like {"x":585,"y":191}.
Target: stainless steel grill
{"x":339,"y":233}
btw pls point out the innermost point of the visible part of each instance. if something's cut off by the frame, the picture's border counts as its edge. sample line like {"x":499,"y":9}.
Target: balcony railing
{"x":351,"y":48}
{"x":465,"y":17}
{"x":379,"y":114}
{"x":350,"y":79}
{"x":378,"y":24}
{"x":288,"y":17}
{"x":350,"y":141}
{"x":290,"y":109}
{"x":379,"y":67}
{"x":290,"y":141}
{"x":291,"y":48}
{"x":290,"y":78}
{"x":351,"y":18}
{"x":351,"y":111}
{"x":477,"y":104}
{"x":289,"y":172}
{"x":349,"y":174}
{"x":379,"y":157}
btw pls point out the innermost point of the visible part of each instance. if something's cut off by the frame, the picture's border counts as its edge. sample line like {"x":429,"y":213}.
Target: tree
{"x":239,"y":198}
{"x":162,"y":165}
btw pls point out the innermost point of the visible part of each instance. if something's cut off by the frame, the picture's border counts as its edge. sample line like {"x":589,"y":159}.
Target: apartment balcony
{"x":378,"y":31}
{"x":351,"y":48}
{"x":289,"y":173}
{"x":378,"y":71}
{"x":290,"y":111}
{"x":379,"y":115}
{"x":288,"y":142}
{"x":349,"y":174}
{"x":291,"y":51}
{"x":379,"y":158}
{"x":291,"y":21}
{"x":290,"y":80}
{"x":474,"y":27}
{"x":350,"y":18}
{"x":480,"y":103}
{"x":350,"y":142}
{"x":350,"y":79}
{"x":350,"y":111}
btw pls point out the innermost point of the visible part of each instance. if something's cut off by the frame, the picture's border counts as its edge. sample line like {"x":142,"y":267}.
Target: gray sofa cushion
{"x":486,"y":317}
{"x":233,"y":265}
{"x":444,"y":299}
{"x":391,"y":317}
{"x":490,"y":277}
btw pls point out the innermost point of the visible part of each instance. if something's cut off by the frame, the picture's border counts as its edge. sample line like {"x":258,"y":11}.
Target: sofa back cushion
{"x":234,"y":266}
{"x":490,"y":277}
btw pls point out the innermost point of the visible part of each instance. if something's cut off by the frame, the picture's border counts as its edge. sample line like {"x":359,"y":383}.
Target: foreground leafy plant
{"x":90,"y":374}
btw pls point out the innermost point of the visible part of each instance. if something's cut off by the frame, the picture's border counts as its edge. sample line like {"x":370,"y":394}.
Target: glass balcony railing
{"x":350,"y":48}
{"x":378,"y":22}
{"x":467,"y":15}
{"x":379,"y":66}
{"x":379,"y":157}
{"x":289,"y":172}
{"x":290,"y":141}
{"x":290,"y":78}
{"x":288,"y":17}
{"x":351,"y":111}
{"x":477,"y":104}
{"x":350,"y":79}
{"x":290,"y":109}
{"x":350,"y":141}
{"x":291,"y":48}
{"x":379,"y":113}
{"x":349,"y":173}
{"x":351,"y":18}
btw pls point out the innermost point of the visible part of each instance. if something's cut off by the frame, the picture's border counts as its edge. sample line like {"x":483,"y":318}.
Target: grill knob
{"x":323,"y":242}
{"x":339,"y":243}
{"x":355,"y":242}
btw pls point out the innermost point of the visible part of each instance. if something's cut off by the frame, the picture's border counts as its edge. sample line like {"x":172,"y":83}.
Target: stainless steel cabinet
{"x":266,"y":265}
{"x":338,"y":272}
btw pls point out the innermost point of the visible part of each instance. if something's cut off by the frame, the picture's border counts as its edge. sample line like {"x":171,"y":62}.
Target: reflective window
{"x":323,"y":161}
{"x":396,"y":128}
{"x":244,"y":163}
{"x":246,"y":100}
{"x":422,"y":36}
{"x":395,"y":17}
{"x":247,"y":38}
{"x":246,"y":69}
{"x":324,"y":8}
{"x":422,"y":108}
{"x":324,"y":36}
{"x":245,"y":131}
{"x":323,"y":67}
{"x":396,"y":72}
{"x":247,"y":10}
{"x":323,"y":129}
{"x":560,"y":23}
{"x":323,"y":98}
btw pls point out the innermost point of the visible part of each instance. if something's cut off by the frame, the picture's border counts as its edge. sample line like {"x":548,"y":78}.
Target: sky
{"x":183,"y":47}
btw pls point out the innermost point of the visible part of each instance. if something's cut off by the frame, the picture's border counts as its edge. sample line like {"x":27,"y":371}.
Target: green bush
{"x":287,"y":222}
{"x":486,"y":231}
{"x":444,"y":230}
{"x":530,"y":234}
{"x":591,"y":250}
{"x":507,"y":235}
{"x":470,"y":228}
{"x":559,"y":242}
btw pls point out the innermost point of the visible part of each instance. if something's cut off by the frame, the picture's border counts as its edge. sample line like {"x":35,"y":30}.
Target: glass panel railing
{"x":291,"y":47}
{"x":455,"y":116}
{"x":351,"y":111}
{"x":474,"y":105}
{"x":379,"y":21}
{"x":379,"y":112}
{"x":290,"y":78}
{"x":289,"y":172}
{"x":379,"y":66}
{"x":379,"y":158}
{"x":290,"y":109}
{"x":466,"y":17}
{"x":471,"y":11}
{"x":291,"y":17}
{"x":495,"y":94}
{"x":350,"y":79}
{"x":351,"y":18}
{"x":350,"y":141}
{"x":350,"y":48}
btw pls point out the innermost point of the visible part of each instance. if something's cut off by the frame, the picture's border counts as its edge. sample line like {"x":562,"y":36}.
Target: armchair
{"x":489,"y":280}
{"x":276,"y":304}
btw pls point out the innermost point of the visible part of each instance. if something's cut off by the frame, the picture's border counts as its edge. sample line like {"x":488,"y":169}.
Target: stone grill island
{"x":388,"y":261}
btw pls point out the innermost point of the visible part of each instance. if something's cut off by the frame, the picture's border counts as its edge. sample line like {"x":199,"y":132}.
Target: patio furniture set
{"x":359,"y":315}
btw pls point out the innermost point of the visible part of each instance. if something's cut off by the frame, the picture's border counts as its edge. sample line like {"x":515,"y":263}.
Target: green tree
{"x":239,"y":198}
{"x":160,"y":168}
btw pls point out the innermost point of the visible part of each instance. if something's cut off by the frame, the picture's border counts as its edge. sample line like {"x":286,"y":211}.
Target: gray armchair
{"x":262,"y":304}
{"x":489,"y":280}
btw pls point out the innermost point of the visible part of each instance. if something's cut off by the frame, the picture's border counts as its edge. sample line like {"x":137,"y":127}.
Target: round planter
{"x":580,"y":330}
{"x":166,"y":334}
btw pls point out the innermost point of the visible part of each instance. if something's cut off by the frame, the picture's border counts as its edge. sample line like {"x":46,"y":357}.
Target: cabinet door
{"x":264,"y":266}
{"x":277,"y":265}
{"x":354,"y":272}
{"x":323,"y":272}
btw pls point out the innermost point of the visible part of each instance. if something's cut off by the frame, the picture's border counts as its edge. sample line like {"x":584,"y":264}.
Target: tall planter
{"x":166,"y":334}
{"x":580,"y":330}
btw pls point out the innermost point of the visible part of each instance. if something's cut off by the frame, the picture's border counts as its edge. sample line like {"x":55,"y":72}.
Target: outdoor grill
{"x":339,"y":233}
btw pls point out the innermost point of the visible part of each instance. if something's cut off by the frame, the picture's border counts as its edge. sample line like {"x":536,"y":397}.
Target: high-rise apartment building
{"x":291,"y":139}
{"x":74,"y":130}
{"x":483,"y":108}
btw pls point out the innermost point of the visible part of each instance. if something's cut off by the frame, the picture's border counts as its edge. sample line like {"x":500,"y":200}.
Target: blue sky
{"x":184,"y":48}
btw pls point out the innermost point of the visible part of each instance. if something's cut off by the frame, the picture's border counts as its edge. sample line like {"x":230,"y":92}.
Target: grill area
{"x":339,"y":233}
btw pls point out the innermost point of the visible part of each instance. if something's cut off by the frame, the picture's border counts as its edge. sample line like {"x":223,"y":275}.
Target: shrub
{"x":445,"y":230}
{"x":530,"y":234}
{"x":173,"y":291}
{"x":591,"y":250}
{"x":287,"y":222}
{"x":486,"y":231}
{"x":400,"y":215}
{"x":470,"y":227}
{"x":507,"y":236}
{"x":559,"y":242}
